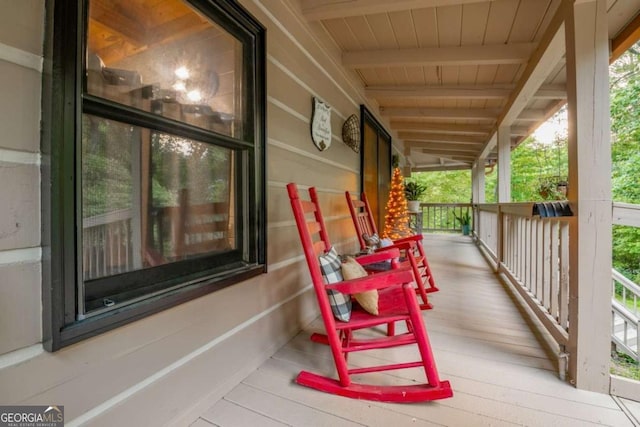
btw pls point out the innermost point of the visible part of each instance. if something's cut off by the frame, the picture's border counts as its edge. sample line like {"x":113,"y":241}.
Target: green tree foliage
{"x":625,"y":154}
{"x":445,"y":186}
{"x":536,"y":170}
{"x":106,"y":167}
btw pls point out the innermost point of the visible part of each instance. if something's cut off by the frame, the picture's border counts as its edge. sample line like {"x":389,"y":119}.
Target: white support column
{"x":589,"y":193}
{"x":477,"y":186}
{"x":478,"y":181}
{"x":504,"y":164}
{"x":474,"y":184}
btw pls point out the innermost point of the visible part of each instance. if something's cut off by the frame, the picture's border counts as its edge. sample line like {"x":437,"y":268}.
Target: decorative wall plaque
{"x":321,"y":125}
{"x":351,"y":132}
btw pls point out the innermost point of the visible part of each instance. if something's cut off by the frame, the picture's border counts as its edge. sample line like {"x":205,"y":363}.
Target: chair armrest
{"x":403,"y":246}
{"x":415,"y":238}
{"x":389,"y":254}
{"x":382,"y":280}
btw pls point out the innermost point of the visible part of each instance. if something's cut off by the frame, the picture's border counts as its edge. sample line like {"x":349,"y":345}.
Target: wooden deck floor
{"x":499,"y":373}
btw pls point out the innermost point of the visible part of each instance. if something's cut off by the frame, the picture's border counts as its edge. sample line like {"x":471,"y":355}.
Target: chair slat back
{"x":315,"y":241}
{"x":362,"y":217}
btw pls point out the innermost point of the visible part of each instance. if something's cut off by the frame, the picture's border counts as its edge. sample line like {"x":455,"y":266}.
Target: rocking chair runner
{"x":364,"y":224}
{"x":397,"y":302}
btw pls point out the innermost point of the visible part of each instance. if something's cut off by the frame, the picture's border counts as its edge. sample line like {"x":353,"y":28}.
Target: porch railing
{"x":533,"y":254}
{"x":441,"y":217}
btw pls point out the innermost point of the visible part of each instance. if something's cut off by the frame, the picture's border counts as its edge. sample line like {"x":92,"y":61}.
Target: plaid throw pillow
{"x":330,"y":265}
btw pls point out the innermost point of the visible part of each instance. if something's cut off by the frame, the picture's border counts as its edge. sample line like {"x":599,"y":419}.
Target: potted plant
{"x":413,"y":191}
{"x":554,"y":188}
{"x":465,"y":222}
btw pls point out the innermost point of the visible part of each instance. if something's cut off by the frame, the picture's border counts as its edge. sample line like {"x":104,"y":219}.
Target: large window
{"x":156,"y":121}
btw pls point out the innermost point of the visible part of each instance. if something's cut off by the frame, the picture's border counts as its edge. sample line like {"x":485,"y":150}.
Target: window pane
{"x":167,"y":59}
{"x":150,"y":198}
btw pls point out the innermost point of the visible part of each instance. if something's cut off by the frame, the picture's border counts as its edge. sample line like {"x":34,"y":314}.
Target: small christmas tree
{"x":396,"y":221}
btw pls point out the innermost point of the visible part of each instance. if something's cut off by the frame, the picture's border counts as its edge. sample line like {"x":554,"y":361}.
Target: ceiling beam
{"x":441,"y":113}
{"x":627,"y":37}
{"x":551,"y":92}
{"x":439,"y":92}
{"x":469,"y":147}
{"x":438,"y":168}
{"x":459,"y":92}
{"x":521,"y":131}
{"x":515,"y":53}
{"x":451,"y":154}
{"x":532,"y":116}
{"x":489,"y":146}
{"x":104,"y":12}
{"x":432,"y":137}
{"x":314,"y":10}
{"x":459,"y":113}
{"x":547,"y":55}
{"x":451,"y":128}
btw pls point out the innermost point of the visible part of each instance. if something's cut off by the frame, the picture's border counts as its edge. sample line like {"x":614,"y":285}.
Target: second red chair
{"x":365,"y":225}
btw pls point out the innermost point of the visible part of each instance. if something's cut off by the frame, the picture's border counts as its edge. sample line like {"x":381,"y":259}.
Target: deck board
{"x":225,"y":412}
{"x":500,"y":373}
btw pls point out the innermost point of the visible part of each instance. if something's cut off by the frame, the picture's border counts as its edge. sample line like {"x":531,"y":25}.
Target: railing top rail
{"x":462,"y":205}
{"x":520,"y":209}
{"x":626,"y":282}
{"x":626,"y":205}
{"x":487,"y":207}
{"x":554,"y":210}
{"x":624,"y":312}
{"x":107,"y":218}
{"x":626,"y":214}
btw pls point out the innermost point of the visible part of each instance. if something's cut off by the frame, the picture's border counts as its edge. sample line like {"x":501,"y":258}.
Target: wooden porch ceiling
{"x":448,"y":72}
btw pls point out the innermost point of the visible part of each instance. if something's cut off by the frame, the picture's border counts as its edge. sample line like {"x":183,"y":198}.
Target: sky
{"x":552,"y":128}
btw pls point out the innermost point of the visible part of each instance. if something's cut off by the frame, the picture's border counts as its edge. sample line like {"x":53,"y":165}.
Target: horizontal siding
{"x":22,"y":24}
{"x":20,"y":219}
{"x":20,"y":307}
{"x":21,"y":30}
{"x":20,"y":107}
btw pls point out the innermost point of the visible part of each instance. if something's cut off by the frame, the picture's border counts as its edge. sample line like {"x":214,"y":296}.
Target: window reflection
{"x":167,"y":59}
{"x":151,"y":198}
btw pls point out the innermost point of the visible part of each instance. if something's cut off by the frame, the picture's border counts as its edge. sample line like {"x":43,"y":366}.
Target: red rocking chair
{"x":397,"y":302}
{"x":364,"y":223}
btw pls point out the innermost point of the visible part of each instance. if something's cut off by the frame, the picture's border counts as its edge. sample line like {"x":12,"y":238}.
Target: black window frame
{"x":367,"y":118}
{"x":64,"y":101}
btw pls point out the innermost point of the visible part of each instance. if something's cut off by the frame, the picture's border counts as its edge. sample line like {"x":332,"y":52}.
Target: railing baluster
{"x":564,"y":276}
{"x":553,"y":290}
{"x":540,"y":257}
{"x":522,"y":250}
{"x":531,"y":253}
{"x":546,"y":284}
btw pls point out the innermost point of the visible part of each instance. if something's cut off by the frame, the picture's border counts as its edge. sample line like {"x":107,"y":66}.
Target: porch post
{"x":504,"y":164}
{"x":477,"y":176}
{"x":504,"y":188}
{"x":474,"y":184}
{"x":589,"y":192}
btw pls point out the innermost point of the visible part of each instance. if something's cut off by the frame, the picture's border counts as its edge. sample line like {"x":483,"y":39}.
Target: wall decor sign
{"x":321,"y":124}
